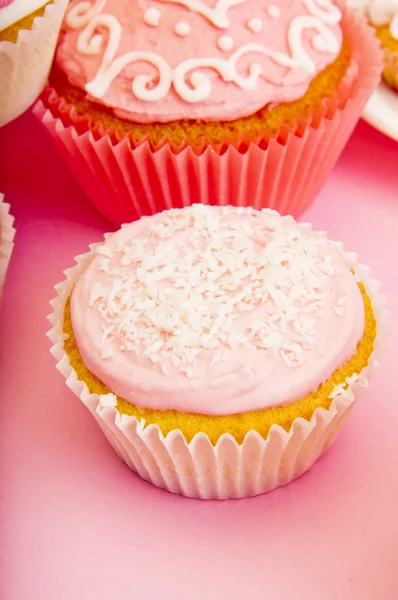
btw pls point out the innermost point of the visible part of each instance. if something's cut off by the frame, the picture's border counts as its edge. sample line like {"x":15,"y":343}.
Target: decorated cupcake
{"x":28,"y":35}
{"x":220,"y":348}
{"x":7,"y":233}
{"x":164,"y":103}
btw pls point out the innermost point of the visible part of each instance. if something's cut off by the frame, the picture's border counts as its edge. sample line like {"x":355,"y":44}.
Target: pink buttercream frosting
{"x":216,"y":310}
{"x":162,"y":60}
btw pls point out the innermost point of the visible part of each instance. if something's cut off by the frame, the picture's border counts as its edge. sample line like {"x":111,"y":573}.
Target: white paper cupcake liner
{"x":7,"y":233}
{"x":25,"y":64}
{"x":229,"y":469}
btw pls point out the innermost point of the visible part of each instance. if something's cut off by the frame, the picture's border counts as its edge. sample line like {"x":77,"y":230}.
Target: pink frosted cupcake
{"x":163,"y":103}
{"x":7,"y":233}
{"x":28,"y":36}
{"x":220,"y":349}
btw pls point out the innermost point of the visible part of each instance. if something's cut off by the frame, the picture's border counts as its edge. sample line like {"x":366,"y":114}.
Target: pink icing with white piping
{"x":161,"y":60}
{"x":216,"y":310}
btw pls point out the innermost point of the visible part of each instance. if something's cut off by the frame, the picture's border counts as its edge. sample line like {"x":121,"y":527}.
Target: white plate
{"x":382,"y":111}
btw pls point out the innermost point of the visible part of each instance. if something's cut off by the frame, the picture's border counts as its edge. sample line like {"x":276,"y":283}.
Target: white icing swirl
{"x":81,"y":14}
{"x":323,"y":10}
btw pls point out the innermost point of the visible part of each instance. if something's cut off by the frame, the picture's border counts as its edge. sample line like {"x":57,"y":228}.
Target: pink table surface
{"x":77,"y":524}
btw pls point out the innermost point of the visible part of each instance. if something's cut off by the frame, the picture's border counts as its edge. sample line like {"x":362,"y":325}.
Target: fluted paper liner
{"x":284,"y":171}
{"x":227,"y":470}
{"x":7,"y":233}
{"x":25,"y":64}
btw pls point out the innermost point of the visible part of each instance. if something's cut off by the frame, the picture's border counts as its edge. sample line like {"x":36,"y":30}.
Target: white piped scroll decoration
{"x":187,"y":78}
{"x":218,"y":16}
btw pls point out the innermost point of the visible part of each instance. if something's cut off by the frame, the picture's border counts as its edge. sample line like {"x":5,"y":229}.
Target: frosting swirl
{"x":163,"y":60}
{"x":216,"y":310}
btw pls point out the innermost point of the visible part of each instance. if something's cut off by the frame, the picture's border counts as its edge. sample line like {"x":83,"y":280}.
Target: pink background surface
{"x":77,"y":524}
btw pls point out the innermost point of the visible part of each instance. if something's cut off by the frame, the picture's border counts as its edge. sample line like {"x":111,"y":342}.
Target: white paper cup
{"x":25,"y":64}
{"x":229,"y":469}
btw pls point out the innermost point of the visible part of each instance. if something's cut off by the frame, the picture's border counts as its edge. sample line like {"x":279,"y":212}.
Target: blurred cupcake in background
{"x":28,"y":35}
{"x":383,"y":15}
{"x":7,"y":233}
{"x":158,"y":104}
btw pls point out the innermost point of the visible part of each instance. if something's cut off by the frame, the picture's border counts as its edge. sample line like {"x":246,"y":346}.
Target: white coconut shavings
{"x":104,"y":250}
{"x":341,"y":388}
{"x":180,"y":291}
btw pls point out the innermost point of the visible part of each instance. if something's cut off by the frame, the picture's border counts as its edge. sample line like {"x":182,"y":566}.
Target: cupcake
{"x":220,"y":349}
{"x":383,"y":14}
{"x":7,"y":233}
{"x":28,"y":36}
{"x":159,"y":104}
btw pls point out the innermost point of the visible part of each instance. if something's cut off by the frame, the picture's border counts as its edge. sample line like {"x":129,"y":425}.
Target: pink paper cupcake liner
{"x":7,"y":233}
{"x":25,"y":64}
{"x":229,"y":469}
{"x":125,"y":182}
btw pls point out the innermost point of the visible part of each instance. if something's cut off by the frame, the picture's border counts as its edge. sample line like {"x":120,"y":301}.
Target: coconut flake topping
{"x":202,"y":280}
